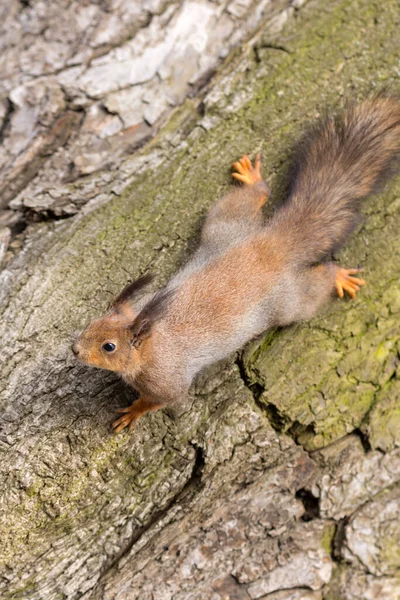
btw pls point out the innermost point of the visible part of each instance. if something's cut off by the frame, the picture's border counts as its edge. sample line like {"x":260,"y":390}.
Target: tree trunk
{"x":279,"y":478}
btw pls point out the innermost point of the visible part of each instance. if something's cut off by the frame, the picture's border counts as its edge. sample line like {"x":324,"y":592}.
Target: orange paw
{"x":132,"y":413}
{"x":245,"y":172}
{"x":128,"y":419}
{"x":346,"y":283}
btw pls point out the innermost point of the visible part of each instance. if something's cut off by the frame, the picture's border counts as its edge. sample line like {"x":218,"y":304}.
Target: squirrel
{"x":247,"y":275}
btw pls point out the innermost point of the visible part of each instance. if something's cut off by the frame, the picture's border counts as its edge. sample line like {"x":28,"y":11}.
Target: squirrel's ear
{"x":140,"y":331}
{"x":149,"y":315}
{"x":131,"y":290}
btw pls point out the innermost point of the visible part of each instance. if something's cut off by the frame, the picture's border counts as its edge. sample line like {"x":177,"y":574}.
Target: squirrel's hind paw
{"x":245,"y":172}
{"x":346,"y":283}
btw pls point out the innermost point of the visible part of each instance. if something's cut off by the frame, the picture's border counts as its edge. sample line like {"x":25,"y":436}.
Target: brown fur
{"x":223,"y":289}
{"x":338,"y":163}
{"x":247,"y":276}
{"x":132,"y":290}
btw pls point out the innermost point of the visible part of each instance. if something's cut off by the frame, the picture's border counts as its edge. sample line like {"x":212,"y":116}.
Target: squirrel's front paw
{"x":129,"y":416}
{"x":245,"y":172}
{"x":346,"y":283}
{"x":132,"y":413}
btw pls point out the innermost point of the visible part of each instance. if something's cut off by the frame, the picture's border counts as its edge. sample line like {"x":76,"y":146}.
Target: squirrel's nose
{"x":75,"y":348}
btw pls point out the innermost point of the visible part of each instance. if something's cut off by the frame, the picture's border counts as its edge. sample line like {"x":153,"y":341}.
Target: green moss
{"x":327,"y":537}
{"x":332,"y":591}
{"x":382,"y":424}
{"x":390,"y":554}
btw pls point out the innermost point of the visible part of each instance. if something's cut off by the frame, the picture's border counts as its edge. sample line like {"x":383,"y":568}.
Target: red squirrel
{"x":248,"y":275}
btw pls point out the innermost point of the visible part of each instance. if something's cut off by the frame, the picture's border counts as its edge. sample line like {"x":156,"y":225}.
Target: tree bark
{"x":279,"y":478}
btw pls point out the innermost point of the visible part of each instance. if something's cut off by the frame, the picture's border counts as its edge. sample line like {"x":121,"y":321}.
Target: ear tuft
{"x":152,"y":312}
{"x":131,"y":290}
{"x":140,"y":332}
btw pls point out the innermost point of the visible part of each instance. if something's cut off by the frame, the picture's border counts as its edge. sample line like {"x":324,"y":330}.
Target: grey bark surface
{"x":279,"y":478}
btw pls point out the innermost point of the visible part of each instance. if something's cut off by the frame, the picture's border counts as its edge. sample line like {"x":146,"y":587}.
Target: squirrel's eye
{"x":108,"y":347}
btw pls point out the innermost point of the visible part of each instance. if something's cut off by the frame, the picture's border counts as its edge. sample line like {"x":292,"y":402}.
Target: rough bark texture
{"x":279,"y":478}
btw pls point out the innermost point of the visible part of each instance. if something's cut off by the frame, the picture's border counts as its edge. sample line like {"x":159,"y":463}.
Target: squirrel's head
{"x":116,"y":340}
{"x":107,"y":343}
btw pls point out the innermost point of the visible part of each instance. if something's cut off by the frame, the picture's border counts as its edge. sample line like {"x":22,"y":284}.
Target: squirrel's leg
{"x":339,"y":279}
{"x":317,"y":284}
{"x":237,"y":214}
{"x":132,"y":413}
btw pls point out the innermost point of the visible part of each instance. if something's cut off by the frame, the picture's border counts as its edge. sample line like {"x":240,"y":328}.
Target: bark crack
{"x":190,"y":488}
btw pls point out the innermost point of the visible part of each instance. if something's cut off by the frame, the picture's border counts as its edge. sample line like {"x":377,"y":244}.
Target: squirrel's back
{"x":342,"y":160}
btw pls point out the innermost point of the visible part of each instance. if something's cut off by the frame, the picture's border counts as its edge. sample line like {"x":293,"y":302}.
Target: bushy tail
{"x":338,"y":163}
